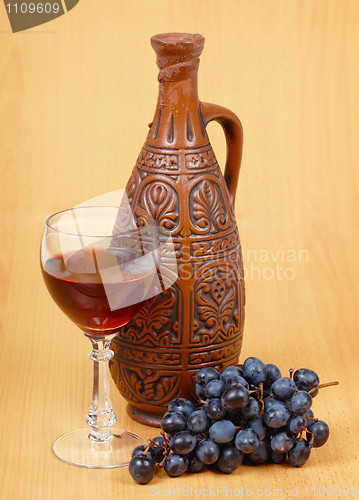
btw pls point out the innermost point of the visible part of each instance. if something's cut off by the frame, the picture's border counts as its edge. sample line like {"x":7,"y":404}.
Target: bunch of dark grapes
{"x":247,"y":410}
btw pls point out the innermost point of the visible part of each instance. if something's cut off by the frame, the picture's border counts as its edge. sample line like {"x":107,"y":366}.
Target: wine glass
{"x":99,"y":265}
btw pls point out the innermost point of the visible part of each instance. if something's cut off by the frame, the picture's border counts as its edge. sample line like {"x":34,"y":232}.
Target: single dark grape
{"x":183,"y":442}
{"x":205,"y":375}
{"x":258,"y":426}
{"x":254,"y":371}
{"x":270,"y":401}
{"x":252,"y":409}
{"x":305,"y":380}
{"x":283,"y":388}
{"x":230,"y":458}
{"x":175,"y":464}
{"x":237,"y":380}
{"x":214,"y":409}
{"x":158,"y":451}
{"x":320,"y":430}
{"x":198,"y":422}
{"x":299,"y":454}
{"x":247,"y":440}
{"x":140,"y":450}
{"x":199,"y":390}
{"x":277,"y":458}
{"x":222,"y":431}
{"x":282,"y":441}
{"x":297,"y":423}
{"x":173,"y":422}
{"x":207,"y":451}
{"x":235,"y":397}
{"x":230,"y":372}
{"x":301,"y":402}
{"x":142,"y":469}
{"x":214,"y":389}
{"x":261,"y":454}
{"x":181,"y":405}
{"x":276,"y":416}
{"x":195,"y":465}
{"x":273,"y":374}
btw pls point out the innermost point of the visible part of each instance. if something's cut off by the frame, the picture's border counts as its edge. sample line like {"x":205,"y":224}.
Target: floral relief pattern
{"x":155,"y":323}
{"x":161,"y":201}
{"x":216,"y":295}
{"x":146,"y":385}
{"x":208,"y":212}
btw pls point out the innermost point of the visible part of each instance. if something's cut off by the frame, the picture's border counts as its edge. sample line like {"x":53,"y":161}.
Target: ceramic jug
{"x":198,"y":321}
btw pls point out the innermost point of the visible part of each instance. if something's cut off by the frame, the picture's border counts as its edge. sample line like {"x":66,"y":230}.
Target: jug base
{"x":143,"y":417}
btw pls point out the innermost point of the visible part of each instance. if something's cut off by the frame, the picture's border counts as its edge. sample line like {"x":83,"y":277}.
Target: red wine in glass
{"x":92,"y":304}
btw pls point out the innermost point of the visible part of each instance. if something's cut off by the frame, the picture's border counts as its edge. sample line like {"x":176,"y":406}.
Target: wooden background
{"x":76,"y":96}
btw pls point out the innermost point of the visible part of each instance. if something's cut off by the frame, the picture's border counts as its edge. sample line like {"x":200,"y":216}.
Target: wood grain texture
{"x":75,"y":99}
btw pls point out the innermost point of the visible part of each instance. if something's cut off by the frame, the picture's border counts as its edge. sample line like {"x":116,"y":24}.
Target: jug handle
{"x":233,"y":132}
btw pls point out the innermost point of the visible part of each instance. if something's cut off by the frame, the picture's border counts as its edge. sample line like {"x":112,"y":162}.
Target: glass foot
{"x":76,"y":448}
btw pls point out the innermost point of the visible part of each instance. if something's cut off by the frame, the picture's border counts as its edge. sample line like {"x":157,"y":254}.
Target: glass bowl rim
{"x":140,"y":210}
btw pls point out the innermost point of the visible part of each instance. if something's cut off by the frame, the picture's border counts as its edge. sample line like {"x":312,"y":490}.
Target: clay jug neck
{"x":178,"y":122}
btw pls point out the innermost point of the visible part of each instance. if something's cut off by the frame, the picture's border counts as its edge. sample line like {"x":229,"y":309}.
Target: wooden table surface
{"x":76,"y":95}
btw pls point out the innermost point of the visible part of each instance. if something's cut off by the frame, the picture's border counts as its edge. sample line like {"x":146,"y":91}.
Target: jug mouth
{"x":177,"y":55}
{"x":173,"y":48}
{"x":176,"y":37}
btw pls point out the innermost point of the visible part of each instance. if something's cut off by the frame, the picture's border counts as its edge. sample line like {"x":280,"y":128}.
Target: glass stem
{"x":101,"y":416}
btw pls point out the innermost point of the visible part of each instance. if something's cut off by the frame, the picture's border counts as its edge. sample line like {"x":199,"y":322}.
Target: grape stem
{"x":328,"y":384}
{"x":153,"y":443}
{"x":166,"y":449}
{"x":259,"y":394}
{"x":321,"y":386}
{"x":261,"y":389}
{"x":311,"y":438}
{"x":161,"y":464}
